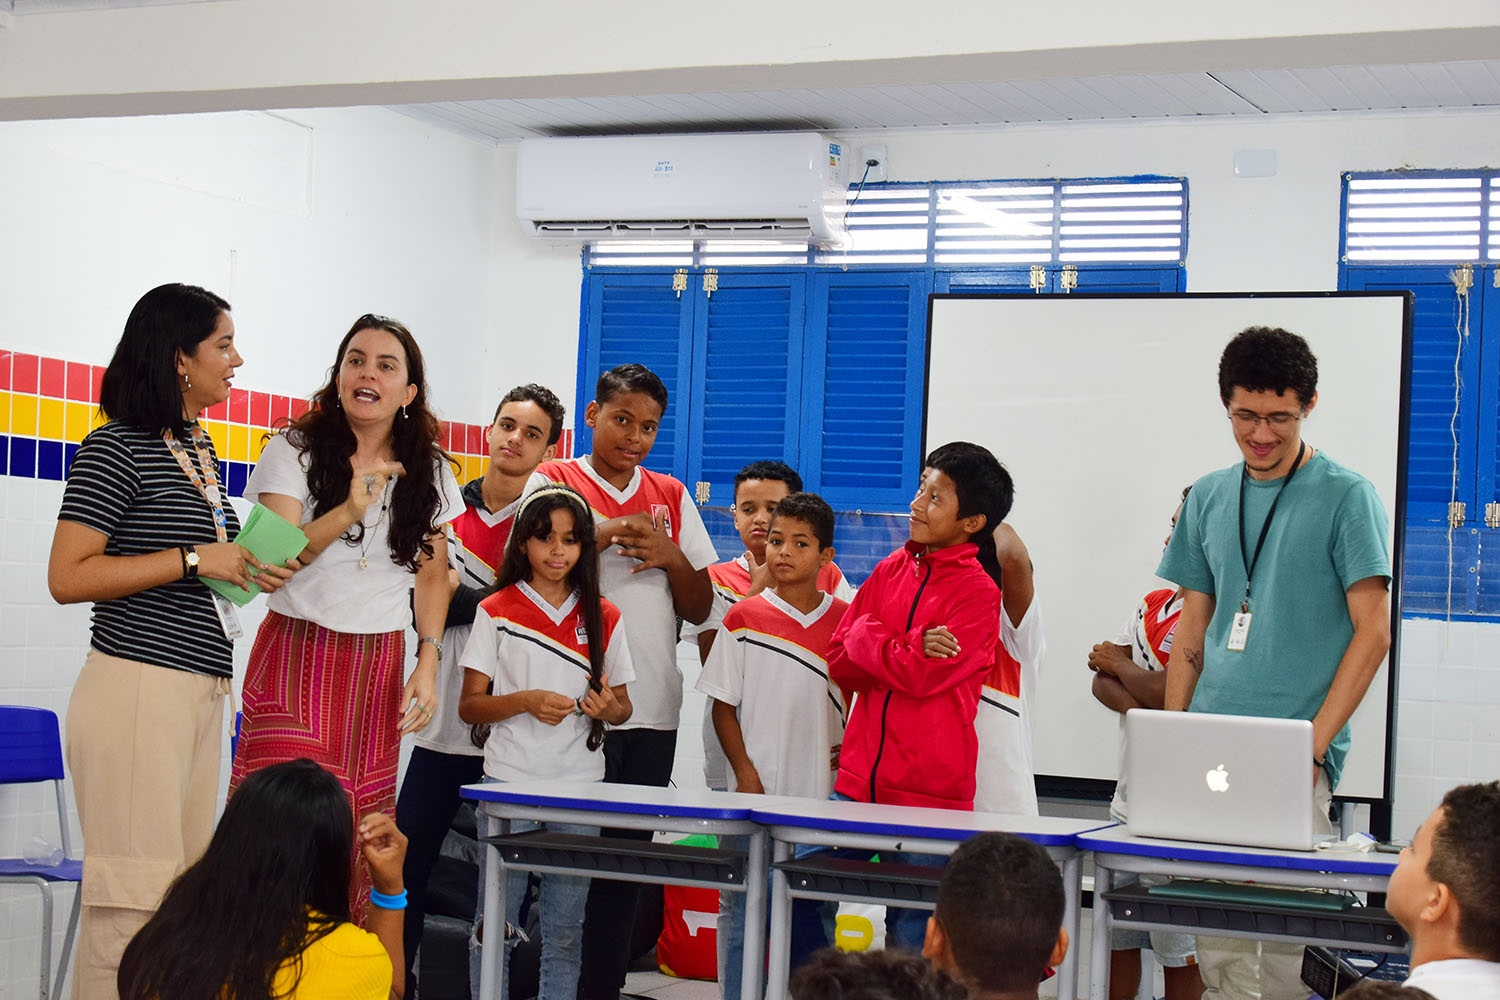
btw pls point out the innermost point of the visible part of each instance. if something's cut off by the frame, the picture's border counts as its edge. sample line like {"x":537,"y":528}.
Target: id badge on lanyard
{"x":208,"y":485}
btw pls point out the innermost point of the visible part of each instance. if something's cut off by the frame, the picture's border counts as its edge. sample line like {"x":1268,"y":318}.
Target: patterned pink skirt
{"x":331,"y":697}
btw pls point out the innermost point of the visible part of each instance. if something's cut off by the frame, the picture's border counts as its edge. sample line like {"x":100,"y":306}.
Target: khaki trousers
{"x":1244,"y":969}
{"x":143,"y":745}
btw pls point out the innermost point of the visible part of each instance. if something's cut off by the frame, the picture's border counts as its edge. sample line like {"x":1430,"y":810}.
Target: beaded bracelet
{"x":388,"y":902}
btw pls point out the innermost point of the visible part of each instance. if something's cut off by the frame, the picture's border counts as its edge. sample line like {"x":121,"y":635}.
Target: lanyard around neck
{"x":1250,"y":561}
{"x":212,"y":495}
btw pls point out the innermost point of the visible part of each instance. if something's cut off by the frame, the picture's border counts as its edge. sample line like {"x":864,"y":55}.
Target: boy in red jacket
{"x":916,"y":644}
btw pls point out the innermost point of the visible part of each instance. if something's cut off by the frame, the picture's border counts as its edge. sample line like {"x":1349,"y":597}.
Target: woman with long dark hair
{"x":143,"y":523}
{"x":363,"y":475}
{"x":554,"y":652}
{"x":265,"y":911}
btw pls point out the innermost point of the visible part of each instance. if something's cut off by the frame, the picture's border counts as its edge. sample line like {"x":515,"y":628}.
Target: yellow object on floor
{"x":853,"y":932}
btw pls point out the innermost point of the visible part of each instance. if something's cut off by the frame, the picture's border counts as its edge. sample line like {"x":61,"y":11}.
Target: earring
{"x":403,"y":411}
{"x":187,"y":380}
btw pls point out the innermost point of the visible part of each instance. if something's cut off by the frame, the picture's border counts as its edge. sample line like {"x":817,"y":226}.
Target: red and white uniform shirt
{"x":476,"y":546}
{"x":522,"y":642}
{"x":771,"y":662}
{"x":1149,"y":636}
{"x":644,"y":599}
{"x":1004,"y":778}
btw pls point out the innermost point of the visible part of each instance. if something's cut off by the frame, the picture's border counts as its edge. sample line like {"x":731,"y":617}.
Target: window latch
{"x":1069,"y":278}
{"x":710,"y":281}
{"x":1458,"y":512}
{"x":700,"y":493}
{"x":1492,"y":514}
{"x":1038,"y":278}
{"x":679,"y":281}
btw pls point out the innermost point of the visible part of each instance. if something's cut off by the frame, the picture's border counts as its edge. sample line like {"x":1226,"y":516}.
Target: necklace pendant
{"x":364,"y":563}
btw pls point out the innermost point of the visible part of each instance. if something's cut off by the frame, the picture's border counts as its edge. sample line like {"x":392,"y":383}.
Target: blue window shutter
{"x":1486,"y":323}
{"x":862,"y":411}
{"x":636,"y":317}
{"x":747,"y":377}
{"x":994,"y":279}
{"x":1435,"y":341}
{"x":1119,"y":280}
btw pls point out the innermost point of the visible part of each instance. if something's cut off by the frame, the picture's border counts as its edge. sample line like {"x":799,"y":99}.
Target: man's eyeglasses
{"x":1245,"y":420}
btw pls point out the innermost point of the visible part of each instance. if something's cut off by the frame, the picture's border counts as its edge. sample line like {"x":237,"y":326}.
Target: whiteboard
{"x":1103,"y":408}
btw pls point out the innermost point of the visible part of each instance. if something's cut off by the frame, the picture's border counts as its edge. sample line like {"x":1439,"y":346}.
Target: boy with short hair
{"x":998,"y":924}
{"x":525,"y":431}
{"x":653,"y":555}
{"x":758,"y":488}
{"x":917,"y":643}
{"x":1445,"y":892}
{"x":778,"y":716}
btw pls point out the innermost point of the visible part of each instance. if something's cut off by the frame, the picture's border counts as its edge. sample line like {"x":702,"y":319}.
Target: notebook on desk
{"x":1220,"y":779}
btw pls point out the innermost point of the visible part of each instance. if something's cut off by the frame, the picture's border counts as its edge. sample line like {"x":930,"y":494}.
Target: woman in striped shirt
{"x":143,"y":521}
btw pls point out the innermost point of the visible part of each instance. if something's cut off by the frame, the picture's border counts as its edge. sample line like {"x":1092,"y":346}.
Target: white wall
{"x":302,"y":222}
{"x":330,"y":213}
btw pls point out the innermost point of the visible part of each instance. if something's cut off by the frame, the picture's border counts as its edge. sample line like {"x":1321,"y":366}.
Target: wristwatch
{"x":189,"y":561}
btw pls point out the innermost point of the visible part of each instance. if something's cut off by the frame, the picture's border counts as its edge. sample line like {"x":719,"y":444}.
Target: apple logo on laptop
{"x":1218,"y":779}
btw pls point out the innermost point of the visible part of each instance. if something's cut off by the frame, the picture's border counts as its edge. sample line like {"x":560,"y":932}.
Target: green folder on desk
{"x":272,"y":539}
{"x":1251,"y":894}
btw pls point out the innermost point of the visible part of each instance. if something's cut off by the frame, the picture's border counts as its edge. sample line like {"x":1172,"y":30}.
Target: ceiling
{"x":1324,"y":89}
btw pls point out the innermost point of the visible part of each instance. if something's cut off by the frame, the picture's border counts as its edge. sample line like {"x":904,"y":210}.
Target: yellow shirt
{"x":346,"y":964}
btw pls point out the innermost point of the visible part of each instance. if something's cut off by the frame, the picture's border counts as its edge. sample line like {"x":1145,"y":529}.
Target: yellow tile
{"x":76,"y":421}
{"x":474,"y":468}
{"x":4,"y":412}
{"x":96,"y":417}
{"x":218,"y":433}
{"x":239,"y":444}
{"x":257,"y":442}
{"x":23,"y":414}
{"x":50,"y":420}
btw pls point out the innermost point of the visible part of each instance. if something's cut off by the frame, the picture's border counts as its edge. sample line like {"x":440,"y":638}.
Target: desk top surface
{"x":596,"y":796}
{"x":1114,"y":840}
{"x":876,"y":819}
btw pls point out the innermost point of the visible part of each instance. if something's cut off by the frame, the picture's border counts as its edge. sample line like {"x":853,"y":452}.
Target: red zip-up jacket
{"x":910,"y":739}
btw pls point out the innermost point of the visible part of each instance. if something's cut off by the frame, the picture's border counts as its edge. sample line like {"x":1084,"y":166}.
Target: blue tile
{"x":69,"y":451}
{"x":49,"y":460}
{"x":23,"y":457}
{"x":235,"y":476}
{"x":4,"y":454}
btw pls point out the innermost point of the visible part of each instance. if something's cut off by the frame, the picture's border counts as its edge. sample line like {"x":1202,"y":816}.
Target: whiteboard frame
{"x":1093,"y":786}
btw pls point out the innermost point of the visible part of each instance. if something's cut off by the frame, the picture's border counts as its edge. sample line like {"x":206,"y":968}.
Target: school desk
{"x":1360,"y":927}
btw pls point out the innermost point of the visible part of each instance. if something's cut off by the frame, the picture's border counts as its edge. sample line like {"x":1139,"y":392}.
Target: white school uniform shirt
{"x":644,"y":599}
{"x":770,"y":661}
{"x":1458,"y":979}
{"x":1005,"y":781}
{"x":476,"y":546}
{"x":332,"y":590}
{"x":521,"y":642}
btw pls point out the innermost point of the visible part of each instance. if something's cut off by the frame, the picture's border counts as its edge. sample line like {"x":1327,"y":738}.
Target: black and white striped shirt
{"x":126,"y":484}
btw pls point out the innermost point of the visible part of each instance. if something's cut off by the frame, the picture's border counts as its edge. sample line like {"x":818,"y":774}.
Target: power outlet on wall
{"x":877,"y":170}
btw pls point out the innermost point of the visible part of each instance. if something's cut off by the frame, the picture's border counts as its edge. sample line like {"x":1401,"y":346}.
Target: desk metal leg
{"x":492,"y":951}
{"x":779,"y":959}
{"x":756,"y":872}
{"x":1100,"y":931}
{"x":1067,"y":973}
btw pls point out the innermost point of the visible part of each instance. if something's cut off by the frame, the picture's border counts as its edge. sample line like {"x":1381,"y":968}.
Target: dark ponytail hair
{"x":984,"y":487}
{"x":274,"y":879}
{"x":140,"y":386}
{"x":534,"y":520}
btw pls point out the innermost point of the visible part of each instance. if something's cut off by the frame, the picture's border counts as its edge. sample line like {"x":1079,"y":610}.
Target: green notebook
{"x":272,"y":539}
{"x":1238,"y":892}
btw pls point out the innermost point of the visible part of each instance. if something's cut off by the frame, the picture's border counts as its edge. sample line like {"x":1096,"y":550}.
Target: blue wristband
{"x":380,"y":899}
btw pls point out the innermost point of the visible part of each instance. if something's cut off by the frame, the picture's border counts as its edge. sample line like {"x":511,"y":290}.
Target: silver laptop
{"x":1220,"y":779}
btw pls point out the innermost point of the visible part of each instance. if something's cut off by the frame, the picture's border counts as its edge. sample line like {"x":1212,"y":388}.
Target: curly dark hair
{"x":810,"y":509}
{"x":274,"y":879}
{"x":1466,"y":858}
{"x":324,"y":436}
{"x":1263,"y":358}
{"x":541,"y":396}
{"x":891,"y":974}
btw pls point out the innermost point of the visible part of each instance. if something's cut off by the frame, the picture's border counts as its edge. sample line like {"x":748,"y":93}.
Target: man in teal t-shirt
{"x":1285,"y":566}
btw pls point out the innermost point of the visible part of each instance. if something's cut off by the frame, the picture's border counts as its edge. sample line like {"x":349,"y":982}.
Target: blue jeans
{"x":562,"y":901}
{"x":905,"y":928}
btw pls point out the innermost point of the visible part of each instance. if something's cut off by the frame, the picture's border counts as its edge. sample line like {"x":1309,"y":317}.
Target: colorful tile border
{"x":48,"y":406}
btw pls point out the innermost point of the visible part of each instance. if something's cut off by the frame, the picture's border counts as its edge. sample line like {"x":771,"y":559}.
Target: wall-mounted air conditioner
{"x":739,"y":186}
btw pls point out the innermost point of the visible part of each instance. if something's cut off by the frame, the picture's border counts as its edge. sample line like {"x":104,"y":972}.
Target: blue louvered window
{"x":1433,"y":233}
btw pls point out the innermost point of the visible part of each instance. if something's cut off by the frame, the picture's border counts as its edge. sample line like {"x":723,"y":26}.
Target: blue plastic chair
{"x":30,"y":751}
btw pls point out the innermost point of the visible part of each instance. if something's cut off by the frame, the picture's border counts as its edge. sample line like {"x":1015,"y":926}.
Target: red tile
{"x":23,"y":372}
{"x":299,"y":407}
{"x":281,"y":409}
{"x":443,"y":435}
{"x":239,"y":406}
{"x":5,"y":357}
{"x":96,"y":378}
{"x":54,"y":376}
{"x":260,"y":409}
{"x":219,"y":411}
{"x":476,"y":440}
{"x":80,"y":383}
